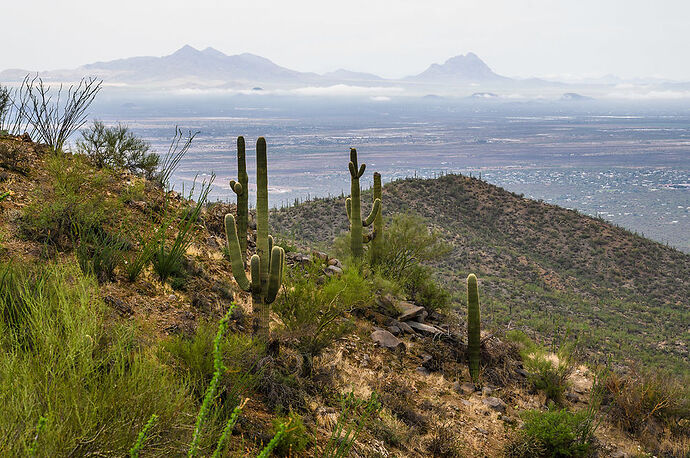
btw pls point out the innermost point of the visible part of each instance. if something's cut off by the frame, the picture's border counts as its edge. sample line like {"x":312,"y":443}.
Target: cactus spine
{"x":266,"y":265}
{"x":473,"y":327}
{"x":353,"y":206}
{"x":241,"y":188}
{"x":377,"y":235}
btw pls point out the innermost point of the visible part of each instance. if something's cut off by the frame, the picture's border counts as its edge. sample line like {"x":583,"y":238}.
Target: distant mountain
{"x":347,"y":75}
{"x":188,"y":63}
{"x":461,"y":68}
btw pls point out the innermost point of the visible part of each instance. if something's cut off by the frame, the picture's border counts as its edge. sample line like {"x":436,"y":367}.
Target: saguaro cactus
{"x":353,"y":205}
{"x":241,"y":188}
{"x":473,"y":327}
{"x":266,"y":265}
{"x":377,"y":235}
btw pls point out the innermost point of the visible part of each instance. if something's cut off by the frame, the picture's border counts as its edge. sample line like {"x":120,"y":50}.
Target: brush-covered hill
{"x":542,"y":267}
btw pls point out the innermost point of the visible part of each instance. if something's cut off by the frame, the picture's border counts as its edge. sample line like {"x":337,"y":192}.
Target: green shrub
{"x":295,"y":439}
{"x":315,"y":315}
{"x":117,"y":147}
{"x":423,"y":288}
{"x":407,"y":246}
{"x":546,"y":373}
{"x":99,"y":253}
{"x":87,"y":376}
{"x":192,"y":358}
{"x":554,"y":433}
{"x":408,"y":243}
{"x":167,"y":261}
{"x":75,"y":202}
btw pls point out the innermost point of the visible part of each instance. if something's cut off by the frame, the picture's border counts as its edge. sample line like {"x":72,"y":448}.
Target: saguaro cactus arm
{"x":235,"y":255}
{"x":375,"y":209}
{"x":348,"y":208}
{"x":241,"y":188}
{"x":254,"y":266}
{"x":275,"y":277}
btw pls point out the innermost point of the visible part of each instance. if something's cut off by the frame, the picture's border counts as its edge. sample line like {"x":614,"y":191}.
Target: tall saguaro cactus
{"x":266,"y":266}
{"x":241,"y":188}
{"x":377,"y":235}
{"x":353,"y":205}
{"x":473,"y":327}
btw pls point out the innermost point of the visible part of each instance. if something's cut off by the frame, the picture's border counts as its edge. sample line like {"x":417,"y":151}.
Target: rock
{"x":335,"y":262}
{"x":423,"y":370}
{"x":619,"y":454}
{"x":521,"y":372}
{"x":425,"y":328}
{"x":481,"y":430}
{"x":486,"y":391}
{"x":404,"y":327}
{"x":172,"y":297}
{"x":394,"y":330}
{"x":495,"y":403}
{"x":408,"y":311}
{"x":387,"y":340}
{"x":464,"y":388}
{"x":320,"y":255}
{"x":422,"y":317}
{"x":333,"y":270}
{"x":465,"y":402}
{"x":572,"y":397}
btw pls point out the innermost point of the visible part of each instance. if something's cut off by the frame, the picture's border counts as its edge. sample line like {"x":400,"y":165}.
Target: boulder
{"x":387,"y":340}
{"x":404,"y":327}
{"x":495,"y":403}
{"x":333,"y":270}
{"x":408,"y":311}
{"x":425,"y":328}
{"x":394,"y":330}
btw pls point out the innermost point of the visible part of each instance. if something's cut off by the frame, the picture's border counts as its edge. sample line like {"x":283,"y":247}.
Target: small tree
{"x":117,"y":147}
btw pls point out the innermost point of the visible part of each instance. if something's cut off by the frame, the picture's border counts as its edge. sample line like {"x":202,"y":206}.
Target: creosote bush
{"x":118,"y":148}
{"x":314,"y":314}
{"x":554,"y":433}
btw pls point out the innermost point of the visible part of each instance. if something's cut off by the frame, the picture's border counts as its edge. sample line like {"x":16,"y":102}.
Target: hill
{"x":101,"y":357}
{"x":544,"y":268}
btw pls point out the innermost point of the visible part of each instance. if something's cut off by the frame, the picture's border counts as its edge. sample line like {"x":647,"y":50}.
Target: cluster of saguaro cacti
{"x":473,"y":327}
{"x":241,"y":188}
{"x":266,"y":266}
{"x":353,"y":205}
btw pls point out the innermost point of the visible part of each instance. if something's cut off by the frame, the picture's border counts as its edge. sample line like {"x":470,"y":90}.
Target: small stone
{"x":486,"y":391}
{"x":423,"y":370}
{"x":481,"y":430}
{"x":404,"y":327}
{"x":521,"y":372}
{"x":572,"y":397}
{"x":464,"y":388}
{"x":172,"y":297}
{"x":495,"y":403}
{"x":465,"y":402}
{"x":385,"y":339}
{"x":334,"y":270}
{"x":320,"y":255}
{"x":394,"y":330}
{"x":619,"y":454}
{"x":425,"y":328}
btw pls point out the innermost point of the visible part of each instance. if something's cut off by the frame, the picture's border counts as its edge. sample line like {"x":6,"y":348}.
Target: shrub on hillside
{"x":97,"y":386}
{"x":75,"y":202}
{"x":117,"y":147}
{"x":546,"y":373}
{"x":314,"y":314}
{"x":295,"y":439}
{"x":554,"y":433}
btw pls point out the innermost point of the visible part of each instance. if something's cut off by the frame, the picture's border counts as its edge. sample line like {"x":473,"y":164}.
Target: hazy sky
{"x":391,"y":38}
